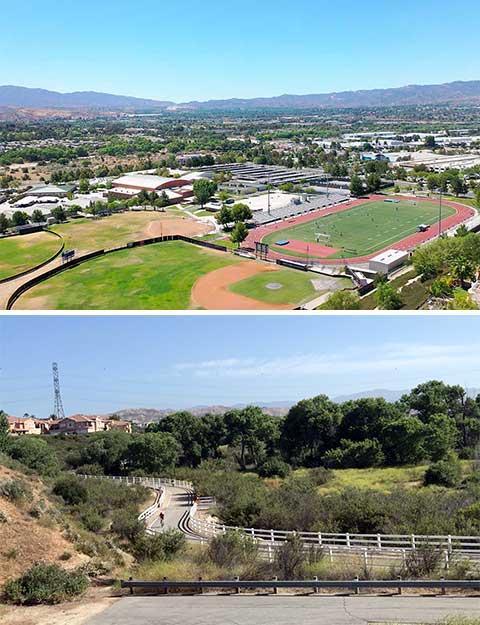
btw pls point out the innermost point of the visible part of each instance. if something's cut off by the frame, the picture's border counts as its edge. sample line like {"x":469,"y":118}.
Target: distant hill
{"x":460,"y":92}
{"x":142,"y":416}
{"x":23,"y":97}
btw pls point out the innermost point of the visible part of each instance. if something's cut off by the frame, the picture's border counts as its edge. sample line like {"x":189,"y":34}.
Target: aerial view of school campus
{"x":242,"y":212}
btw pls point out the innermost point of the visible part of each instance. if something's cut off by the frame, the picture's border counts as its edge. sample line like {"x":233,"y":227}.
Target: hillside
{"x":459,"y":92}
{"x":26,"y":538}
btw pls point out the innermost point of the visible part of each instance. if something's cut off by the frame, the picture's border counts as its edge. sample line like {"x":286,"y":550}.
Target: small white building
{"x":387,"y":261}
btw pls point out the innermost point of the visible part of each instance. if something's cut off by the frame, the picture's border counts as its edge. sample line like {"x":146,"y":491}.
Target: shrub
{"x":66,"y":555}
{"x":355,"y":455}
{"x":163,"y":546}
{"x":290,"y":558}
{"x":446,"y":472}
{"x":34,"y":453}
{"x":91,"y":520}
{"x":16,"y":490}
{"x":274,"y":467}
{"x":45,"y":583}
{"x":231,"y":549}
{"x":422,"y":561}
{"x":125,"y":524}
{"x":70,"y":490}
{"x":3,"y":517}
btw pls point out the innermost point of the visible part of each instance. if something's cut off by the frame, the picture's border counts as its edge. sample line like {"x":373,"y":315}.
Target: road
{"x":176,"y":507}
{"x":283,"y":610}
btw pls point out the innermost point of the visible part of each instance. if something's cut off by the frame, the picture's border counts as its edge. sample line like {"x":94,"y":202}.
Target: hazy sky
{"x":201,"y":49}
{"x":108,"y":363}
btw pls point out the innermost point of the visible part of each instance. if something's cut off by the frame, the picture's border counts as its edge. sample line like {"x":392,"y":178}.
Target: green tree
{"x":152,"y":453}
{"x":83,"y":186}
{"x":374,"y":182}
{"x":241,"y":212}
{"x":4,"y":430}
{"x":59,"y":213}
{"x":462,"y":269}
{"x":4,"y":223}
{"x":203,"y":190}
{"x":388,"y":298}
{"x":37,"y":216}
{"x":35,"y":453}
{"x":239,"y":233}
{"x":309,"y":430}
{"x":342,"y":300}
{"x":19,"y":218}
{"x":224,"y":216}
{"x":356,"y":186}
{"x":187,"y":430}
{"x":251,"y":434}
{"x":462,"y":231}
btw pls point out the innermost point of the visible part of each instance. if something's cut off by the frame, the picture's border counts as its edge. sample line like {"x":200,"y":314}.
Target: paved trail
{"x":283,"y":610}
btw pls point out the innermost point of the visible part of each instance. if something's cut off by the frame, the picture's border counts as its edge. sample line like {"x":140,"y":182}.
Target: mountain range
{"x":142,"y":416}
{"x":459,"y":92}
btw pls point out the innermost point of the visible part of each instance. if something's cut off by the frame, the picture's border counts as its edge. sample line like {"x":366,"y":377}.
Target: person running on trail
{"x":162,"y":518}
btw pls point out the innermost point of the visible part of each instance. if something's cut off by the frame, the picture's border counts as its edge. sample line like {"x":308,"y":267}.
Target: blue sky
{"x":201,"y":49}
{"x":108,"y":363}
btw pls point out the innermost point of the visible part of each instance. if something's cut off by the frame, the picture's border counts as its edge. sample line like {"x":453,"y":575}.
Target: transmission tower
{"x":57,"y":396}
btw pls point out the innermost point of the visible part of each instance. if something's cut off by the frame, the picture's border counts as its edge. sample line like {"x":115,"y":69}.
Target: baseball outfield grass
{"x":363,"y":229}
{"x":286,"y":286}
{"x":20,"y":253}
{"x":155,"y":277}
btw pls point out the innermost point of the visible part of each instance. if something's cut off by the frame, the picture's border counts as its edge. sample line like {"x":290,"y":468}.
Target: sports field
{"x":359,"y":230}
{"x":155,"y":277}
{"x":288,"y":286}
{"x":20,"y":253}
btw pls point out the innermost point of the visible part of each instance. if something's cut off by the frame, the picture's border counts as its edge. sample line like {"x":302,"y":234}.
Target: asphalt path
{"x":284,"y":610}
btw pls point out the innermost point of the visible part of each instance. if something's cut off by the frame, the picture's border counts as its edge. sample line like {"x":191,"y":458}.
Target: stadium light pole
{"x":440,"y":214}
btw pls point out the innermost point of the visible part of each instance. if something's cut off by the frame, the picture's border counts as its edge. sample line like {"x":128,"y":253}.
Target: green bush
{"x":355,"y":455}
{"x":71,"y":490}
{"x":232,"y":549}
{"x":125,"y":524}
{"x":35,"y":453}
{"x":446,"y":472}
{"x":274,"y":467}
{"x":45,"y":583}
{"x":291,"y":558}
{"x":163,"y":546}
{"x":15,"y":490}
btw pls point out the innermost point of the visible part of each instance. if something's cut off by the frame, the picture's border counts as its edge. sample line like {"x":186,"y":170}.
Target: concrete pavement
{"x":177,"y":502}
{"x":284,"y":610}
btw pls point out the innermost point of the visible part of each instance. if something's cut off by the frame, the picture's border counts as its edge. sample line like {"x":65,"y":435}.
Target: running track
{"x":462,"y":214}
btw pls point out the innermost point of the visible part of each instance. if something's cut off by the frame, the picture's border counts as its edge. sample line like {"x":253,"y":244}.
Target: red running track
{"x":462,"y":213}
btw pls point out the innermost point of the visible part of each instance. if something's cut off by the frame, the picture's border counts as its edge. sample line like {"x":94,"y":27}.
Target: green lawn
{"x":155,"y":277}
{"x":107,"y":232}
{"x":297,"y":287}
{"x":17,"y":254}
{"x":363,"y":229}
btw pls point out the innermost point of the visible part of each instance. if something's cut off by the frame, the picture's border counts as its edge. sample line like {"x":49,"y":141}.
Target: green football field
{"x":20,"y":253}
{"x":363,"y":229}
{"x":154,"y":277}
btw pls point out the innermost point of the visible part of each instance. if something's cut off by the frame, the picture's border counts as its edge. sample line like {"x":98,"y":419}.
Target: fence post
{"x":347,"y":538}
{"x":165,"y":587}
{"x":131,"y":587}
{"x":315,"y":589}
{"x":200,"y":589}
{"x":357,"y":588}
{"x":237,"y":589}
{"x":447,"y":560}
{"x":413,"y":542}
{"x":365,"y":558}
{"x":272,"y":536}
{"x":320,"y":538}
{"x":399,"y":589}
{"x":444,"y":590}
{"x":330,"y":553}
{"x":379,"y":541}
{"x":275,"y":589}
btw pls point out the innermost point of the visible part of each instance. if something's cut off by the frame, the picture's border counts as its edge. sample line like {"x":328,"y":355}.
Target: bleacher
{"x":294,"y":209}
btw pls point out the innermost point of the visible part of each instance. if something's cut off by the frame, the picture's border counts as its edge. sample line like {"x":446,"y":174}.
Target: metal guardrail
{"x":315,"y":585}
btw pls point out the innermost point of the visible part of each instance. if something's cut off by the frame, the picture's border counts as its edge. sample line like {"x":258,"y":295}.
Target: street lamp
{"x":440,"y":214}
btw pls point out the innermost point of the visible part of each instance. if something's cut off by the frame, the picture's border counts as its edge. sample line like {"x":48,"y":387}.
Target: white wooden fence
{"x":391,"y":547}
